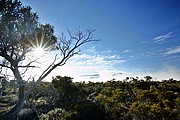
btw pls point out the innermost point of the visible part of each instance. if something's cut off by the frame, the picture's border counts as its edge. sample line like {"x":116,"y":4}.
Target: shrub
{"x":55,"y":114}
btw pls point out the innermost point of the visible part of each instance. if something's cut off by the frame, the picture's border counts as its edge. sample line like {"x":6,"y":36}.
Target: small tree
{"x":64,"y":85}
{"x":20,"y":33}
{"x":148,"y":78}
{"x":69,"y":92}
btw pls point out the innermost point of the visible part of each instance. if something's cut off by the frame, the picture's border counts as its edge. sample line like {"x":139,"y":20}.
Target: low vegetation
{"x":130,"y":99}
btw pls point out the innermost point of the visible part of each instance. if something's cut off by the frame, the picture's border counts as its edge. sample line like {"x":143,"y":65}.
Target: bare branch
{"x":26,"y":66}
{"x":2,"y":65}
{"x":29,"y":64}
{"x":30,"y":89}
{"x":68,"y":48}
{"x":49,"y":67}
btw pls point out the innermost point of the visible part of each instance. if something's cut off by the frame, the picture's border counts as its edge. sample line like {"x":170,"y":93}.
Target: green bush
{"x":56,"y":114}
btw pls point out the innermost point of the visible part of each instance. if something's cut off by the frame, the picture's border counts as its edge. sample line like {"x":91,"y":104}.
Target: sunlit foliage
{"x":113,"y":100}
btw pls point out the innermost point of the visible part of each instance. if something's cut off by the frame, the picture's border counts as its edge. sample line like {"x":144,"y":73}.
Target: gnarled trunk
{"x":14,"y":111}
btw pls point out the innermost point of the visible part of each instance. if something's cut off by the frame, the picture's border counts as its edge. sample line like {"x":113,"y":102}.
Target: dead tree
{"x":20,"y":32}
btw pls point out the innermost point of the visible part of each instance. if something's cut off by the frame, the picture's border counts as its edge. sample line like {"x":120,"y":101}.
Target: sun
{"x":38,"y":51}
{"x":39,"y":46}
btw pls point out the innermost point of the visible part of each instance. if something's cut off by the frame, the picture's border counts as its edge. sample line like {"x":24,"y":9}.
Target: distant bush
{"x":112,"y":100}
{"x":56,"y":114}
{"x":86,"y":111}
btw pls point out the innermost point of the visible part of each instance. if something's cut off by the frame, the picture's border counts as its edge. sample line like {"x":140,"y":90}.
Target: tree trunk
{"x":14,"y":111}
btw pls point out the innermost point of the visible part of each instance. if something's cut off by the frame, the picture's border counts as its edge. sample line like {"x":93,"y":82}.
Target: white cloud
{"x":173,"y":50}
{"x":105,"y":73}
{"x":91,"y":50}
{"x":126,"y":51}
{"x":107,"y":52}
{"x":144,"y":41}
{"x":101,"y":59}
{"x":91,"y":67}
{"x":167,"y":72}
{"x":91,"y":76}
{"x":162,"y":38}
{"x":98,"y":68}
{"x":164,"y":73}
{"x":85,"y":73}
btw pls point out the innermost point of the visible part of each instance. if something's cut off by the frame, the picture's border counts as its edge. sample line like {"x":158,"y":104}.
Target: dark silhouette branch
{"x":68,"y":49}
{"x":20,"y":33}
{"x":2,"y":65}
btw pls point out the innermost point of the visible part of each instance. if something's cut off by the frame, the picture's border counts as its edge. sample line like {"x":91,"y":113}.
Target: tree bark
{"x":14,"y":111}
{"x":19,"y":105}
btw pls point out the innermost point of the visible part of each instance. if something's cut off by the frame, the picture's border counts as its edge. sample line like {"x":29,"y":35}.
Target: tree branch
{"x":68,"y":49}
{"x":26,"y":66}
{"x":2,"y":65}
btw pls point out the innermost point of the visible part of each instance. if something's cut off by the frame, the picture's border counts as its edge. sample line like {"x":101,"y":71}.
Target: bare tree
{"x":20,"y":32}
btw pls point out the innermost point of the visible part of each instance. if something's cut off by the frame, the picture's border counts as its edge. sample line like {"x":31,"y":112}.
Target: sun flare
{"x":38,"y":51}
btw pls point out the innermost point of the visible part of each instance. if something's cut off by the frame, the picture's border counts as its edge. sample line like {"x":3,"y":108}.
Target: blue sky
{"x":138,"y":37}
